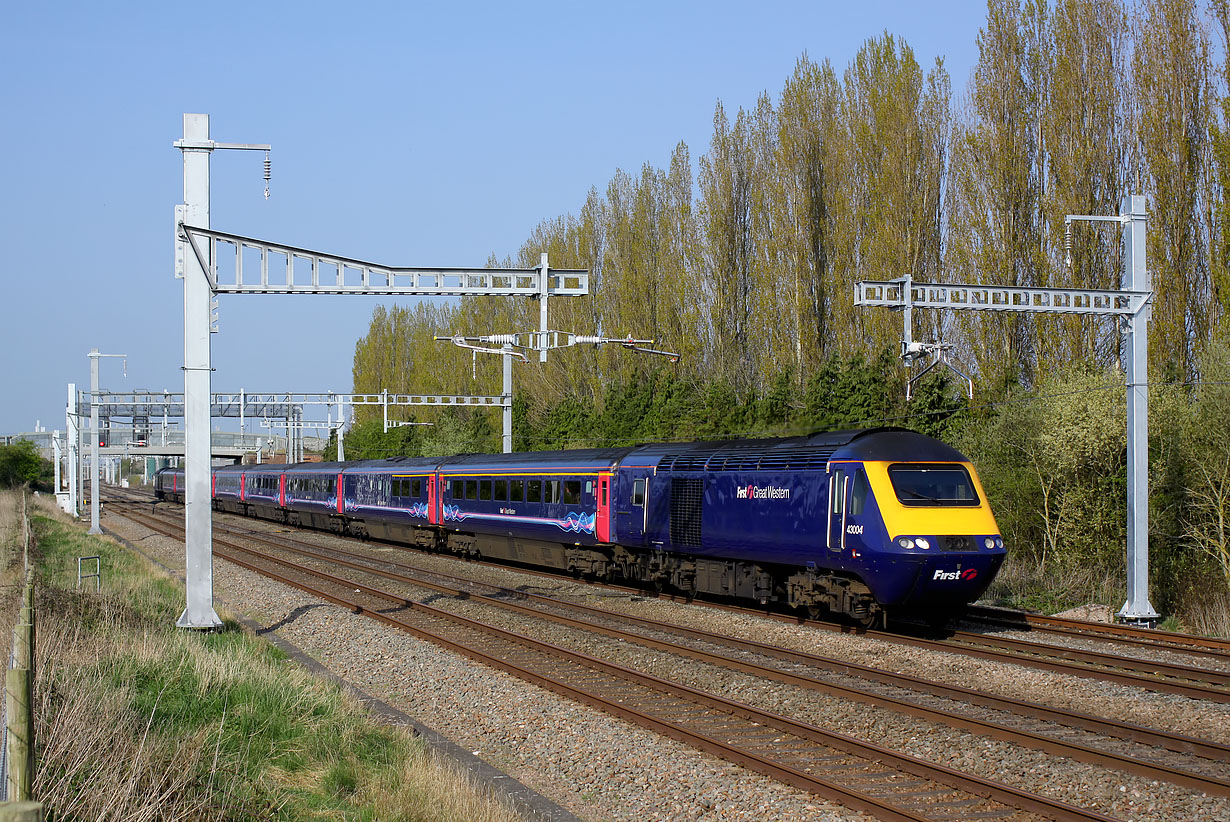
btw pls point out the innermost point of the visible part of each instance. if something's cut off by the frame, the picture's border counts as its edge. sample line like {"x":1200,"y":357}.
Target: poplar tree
{"x":808,"y":175}
{"x":1172,"y":76}
{"x":1083,"y":133}
{"x":995,"y":188}
{"x":896,"y":140}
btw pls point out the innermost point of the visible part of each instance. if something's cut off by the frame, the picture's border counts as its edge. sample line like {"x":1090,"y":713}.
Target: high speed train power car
{"x":860,"y":523}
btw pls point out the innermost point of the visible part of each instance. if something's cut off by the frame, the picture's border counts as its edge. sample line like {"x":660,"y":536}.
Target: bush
{"x":21,"y":464}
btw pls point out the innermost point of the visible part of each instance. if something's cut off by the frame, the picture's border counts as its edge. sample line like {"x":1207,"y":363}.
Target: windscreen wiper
{"x":919,"y":496}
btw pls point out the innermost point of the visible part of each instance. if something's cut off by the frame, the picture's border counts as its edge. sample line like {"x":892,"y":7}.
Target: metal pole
{"x":384,"y":400}
{"x":341,"y":433}
{"x":242,"y":403}
{"x":74,"y":449}
{"x":1136,"y":364}
{"x":94,"y":432}
{"x":508,"y":442}
{"x":543,"y":283}
{"x":907,"y":292}
{"x":198,"y":527}
{"x":59,"y":455}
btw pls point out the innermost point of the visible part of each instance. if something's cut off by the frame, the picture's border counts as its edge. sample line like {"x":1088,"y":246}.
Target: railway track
{"x":1209,"y":682}
{"x":865,"y":777}
{"x":1125,"y":635}
{"x":1185,"y":761}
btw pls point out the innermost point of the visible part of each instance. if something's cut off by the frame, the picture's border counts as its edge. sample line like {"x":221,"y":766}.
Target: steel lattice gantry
{"x":212,"y":262}
{"x":1131,"y":305}
{"x":280,"y":405}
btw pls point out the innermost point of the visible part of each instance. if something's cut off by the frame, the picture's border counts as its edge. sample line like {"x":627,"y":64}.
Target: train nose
{"x":955,"y":578}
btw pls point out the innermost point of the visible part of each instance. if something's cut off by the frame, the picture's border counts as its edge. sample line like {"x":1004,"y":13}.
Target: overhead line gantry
{"x":284,"y":269}
{"x":1131,"y":305}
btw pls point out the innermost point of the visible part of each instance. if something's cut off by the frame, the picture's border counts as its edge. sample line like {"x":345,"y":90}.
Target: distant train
{"x":860,"y":523}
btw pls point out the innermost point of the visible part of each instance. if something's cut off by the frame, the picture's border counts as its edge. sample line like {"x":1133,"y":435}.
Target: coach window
{"x":501,"y":490}
{"x":572,"y":492}
{"x":859,"y":494}
{"x":533,"y":491}
{"x":516,"y":490}
{"x":416,"y":488}
{"x":550,"y":491}
{"x":459,"y":489}
{"x":484,"y":489}
{"x":837,"y":488}
{"x":472,"y":489}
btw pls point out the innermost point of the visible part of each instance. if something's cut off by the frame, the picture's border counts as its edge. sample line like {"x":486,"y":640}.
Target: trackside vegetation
{"x":139,"y":720}
{"x":1052,"y":460}
{"x":21,"y":464}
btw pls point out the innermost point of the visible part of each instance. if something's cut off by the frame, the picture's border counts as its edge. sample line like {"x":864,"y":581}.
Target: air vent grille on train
{"x":687,"y":497}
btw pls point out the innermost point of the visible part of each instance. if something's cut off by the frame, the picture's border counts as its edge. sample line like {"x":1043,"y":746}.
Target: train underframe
{"x":811,"y":591}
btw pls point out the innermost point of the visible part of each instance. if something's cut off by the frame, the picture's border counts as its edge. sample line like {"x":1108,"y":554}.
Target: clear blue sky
{"x":402,"y":133}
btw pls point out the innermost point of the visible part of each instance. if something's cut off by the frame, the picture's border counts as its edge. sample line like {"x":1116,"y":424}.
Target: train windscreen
{"x":932,"y":484}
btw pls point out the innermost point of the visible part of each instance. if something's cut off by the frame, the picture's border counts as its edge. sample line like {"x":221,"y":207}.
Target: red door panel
{"x":602,"y":525}
{"x":432,"y":517}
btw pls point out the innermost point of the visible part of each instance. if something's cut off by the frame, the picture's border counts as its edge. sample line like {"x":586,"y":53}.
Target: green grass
{"x":196,"y":725}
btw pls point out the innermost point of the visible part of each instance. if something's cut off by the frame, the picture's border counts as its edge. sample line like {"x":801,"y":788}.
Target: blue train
{"x":860,"y":523}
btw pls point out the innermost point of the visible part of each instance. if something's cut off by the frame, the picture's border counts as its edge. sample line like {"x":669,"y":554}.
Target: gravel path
{"x":602,"y":768}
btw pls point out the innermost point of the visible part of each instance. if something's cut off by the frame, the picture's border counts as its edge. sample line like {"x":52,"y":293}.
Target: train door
{"x":839,"y":484}
{"x":432,"y":516}
{"x":631,"y":504}
{"x":602,"y":522}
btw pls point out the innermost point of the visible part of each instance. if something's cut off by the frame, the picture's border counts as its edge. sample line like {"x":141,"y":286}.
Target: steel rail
{"x":1209,"y":677}
{"x":1066,"y":626}
{"x":1035,"y":658}
{"x":1145,"y":768}
{"x":762,"y":763}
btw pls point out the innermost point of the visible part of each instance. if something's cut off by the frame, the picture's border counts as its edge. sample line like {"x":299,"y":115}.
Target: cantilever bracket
{"x":939,"y":354}
{"x":185,"y":234}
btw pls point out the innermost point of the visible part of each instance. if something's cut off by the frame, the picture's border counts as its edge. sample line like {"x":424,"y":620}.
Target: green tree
{"x":807,"y":176}
{"x":896,"y":121}
{"x":1082,"y":131}
{"x":995,"y":188}
{"x":21,"y":464}
{"x":1172,"y":76}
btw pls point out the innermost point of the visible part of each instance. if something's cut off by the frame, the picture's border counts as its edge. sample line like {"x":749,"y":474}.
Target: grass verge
{"x":139,"y":720}
{"x":1204,"y":608}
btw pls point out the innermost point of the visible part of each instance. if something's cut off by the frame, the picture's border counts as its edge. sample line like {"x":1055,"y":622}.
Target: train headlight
{"x":989,"y":543}
{"x":905,"y":542}
{"x":999,"y":542}
{"x":923,"y":543}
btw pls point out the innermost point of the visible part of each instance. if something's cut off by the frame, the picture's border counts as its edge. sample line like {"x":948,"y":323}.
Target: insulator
{"x":1067,"y":244}
{"x":268,"y":171}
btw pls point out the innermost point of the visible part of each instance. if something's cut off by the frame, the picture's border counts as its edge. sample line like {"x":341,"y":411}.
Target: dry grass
{"x":140,"y":721}
{"x":1206,"y":612}
{"x":1023,"y":584}
{"x":1204,"y":607}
